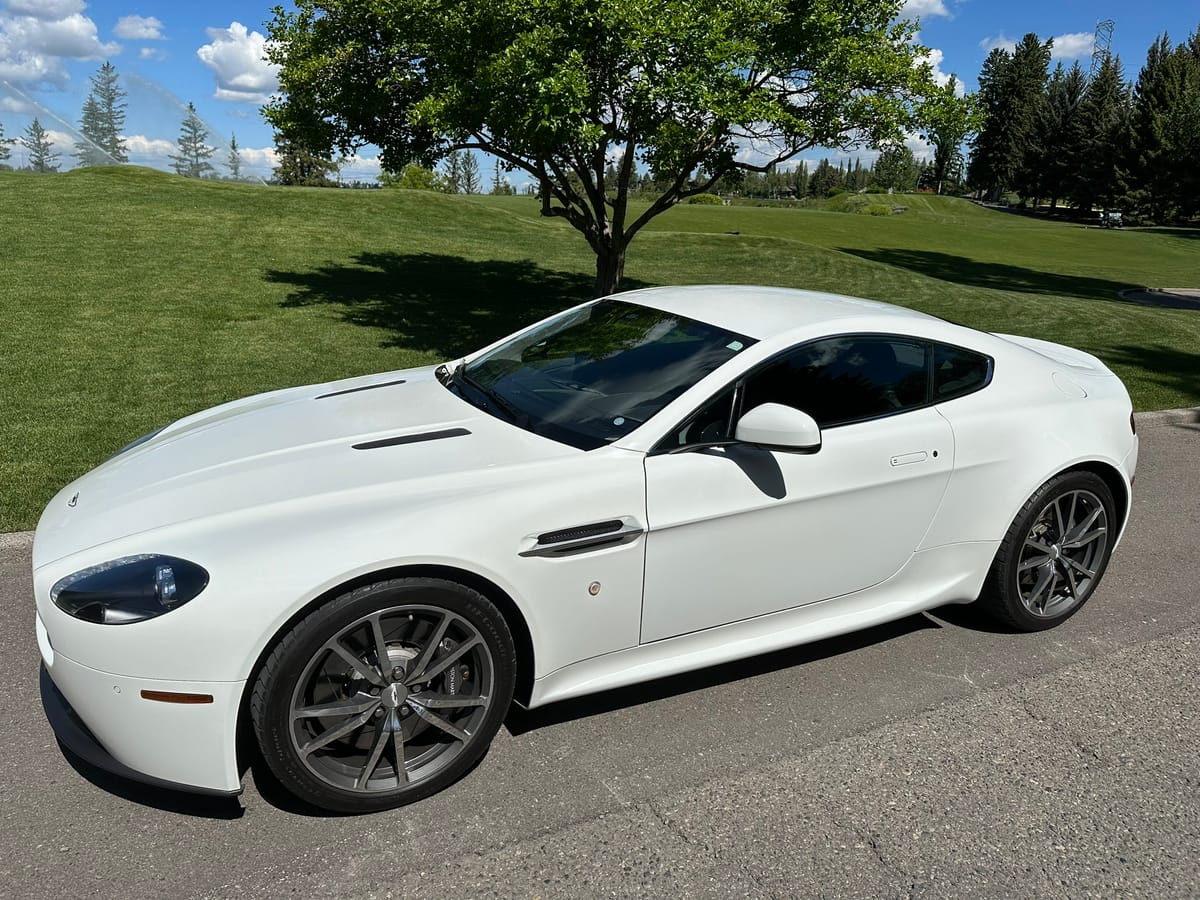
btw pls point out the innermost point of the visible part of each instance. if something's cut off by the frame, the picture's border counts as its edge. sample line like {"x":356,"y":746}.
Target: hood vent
{"x":369,"y":387}
{"x":412,"y":438}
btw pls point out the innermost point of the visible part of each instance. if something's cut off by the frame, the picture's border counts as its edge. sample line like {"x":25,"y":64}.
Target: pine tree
{"x":5,"y":152}
{"x":297,"y":165}
{"x":452,"y":174}
{"x":42,"y":158}
{"x":234,"y":161}
{"x":1104,"y":135}
{"x":103,"y":120}
{"x":192,"y":161}
{"x":824,"y":180}
{"x":1166,"y":104}
{"x":1027,"y":99}
{"x":800,"y":179}
{"x":500,"y":185}
{"x":470,"y":173}
{"x":896,"y":169}
{"x":1057,"y":139}
{"x":989,"y":167}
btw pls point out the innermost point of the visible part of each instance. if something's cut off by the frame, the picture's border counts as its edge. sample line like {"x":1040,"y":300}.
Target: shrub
{"x":706,"y":200}
{"x":877,"y":209}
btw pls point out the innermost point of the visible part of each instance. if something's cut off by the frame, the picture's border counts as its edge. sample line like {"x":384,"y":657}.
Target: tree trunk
{"x":610,"y":267}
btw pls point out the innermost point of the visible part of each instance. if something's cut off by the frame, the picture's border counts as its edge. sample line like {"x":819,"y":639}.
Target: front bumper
{"x":104,"y":719}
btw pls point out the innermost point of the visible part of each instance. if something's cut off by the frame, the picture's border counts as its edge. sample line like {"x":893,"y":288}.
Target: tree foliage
{"x":102,"y":120}
{"x":233,"y":162}
{"x":297,"y":165}
{"x":192,"y":160}
{"x":946,"y":121}
{"x":690,"y":90}
{"x":42,"y":158}
{"x":5,"y":144}
{"x":896,"y":169}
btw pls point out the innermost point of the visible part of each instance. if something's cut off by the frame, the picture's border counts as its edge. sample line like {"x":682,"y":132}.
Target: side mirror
{"x":778,"y":427}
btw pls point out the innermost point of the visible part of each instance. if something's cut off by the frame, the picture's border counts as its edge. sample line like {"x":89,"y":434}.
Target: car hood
{"x":382,"y":434}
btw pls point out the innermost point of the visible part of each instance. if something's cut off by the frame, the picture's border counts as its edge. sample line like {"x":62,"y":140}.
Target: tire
{"x":1054,"y":554}
{"x":331,"y":721}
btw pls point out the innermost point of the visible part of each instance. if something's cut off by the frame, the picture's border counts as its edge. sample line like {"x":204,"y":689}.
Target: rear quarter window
{"x":958,"y":372}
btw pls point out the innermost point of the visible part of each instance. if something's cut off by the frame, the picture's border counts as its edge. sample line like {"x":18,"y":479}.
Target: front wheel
{"x":385,"y":695}
{"x":1054,"y":553}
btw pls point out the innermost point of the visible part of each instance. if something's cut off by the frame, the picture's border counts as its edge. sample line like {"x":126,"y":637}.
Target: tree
{"x":451,"y":175}
{"x":1011,"y":91}
{"x":192,"y":161}
{"x":946,"y":121}
{"x":824,"y":180}
{"x":500,"y":185}
{"x":1057,"y":146}
{"x":470,"y":173}
{"x":681,"y":88}
{"x":896,"y":169}
{"x":412,"y":177}
{"x":297,"y":165}
{"x":5,"y":152}
{"x":234,"y":161}
{"x":103,"y":120}
{"x":42,"y":158}
{"x":1104,"y":135}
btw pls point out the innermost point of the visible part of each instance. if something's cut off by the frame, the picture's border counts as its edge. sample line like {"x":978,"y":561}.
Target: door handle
{"x":906,"y":459}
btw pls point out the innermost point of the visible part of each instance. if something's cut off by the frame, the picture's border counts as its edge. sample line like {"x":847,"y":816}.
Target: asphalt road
{"x":932,"y":757}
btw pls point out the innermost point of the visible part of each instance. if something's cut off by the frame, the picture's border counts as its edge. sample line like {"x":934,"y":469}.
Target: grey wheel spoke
{"x":1040,"y":546}
{"x":446,"y":701}
{"x":449,"y":659}
{"x":340,"y":708}
{"x":1058,"y":519}
{"x":428,"y":651}
{"x":381,"y":741}
{"x":438,"y":722}
{"x":381,"y":647}
{"x":1071,"y":582}
{"x":398,"y":751}
{"x":1033,"y":563}
{"x":364,"y":670}
{"x":333,"y":734}
{"x":1079,"y":567}
{"x":1085,"y":539}
{"x":1042,"y":583}
{"x":1077,"y":530}
{"x":1070,"y":516}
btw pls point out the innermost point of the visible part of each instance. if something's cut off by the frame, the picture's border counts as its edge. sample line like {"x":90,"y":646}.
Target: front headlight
{"x":129,"y":589}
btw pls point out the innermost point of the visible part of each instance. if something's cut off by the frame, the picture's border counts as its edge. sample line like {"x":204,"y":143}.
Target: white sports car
{"x":362,"y":576}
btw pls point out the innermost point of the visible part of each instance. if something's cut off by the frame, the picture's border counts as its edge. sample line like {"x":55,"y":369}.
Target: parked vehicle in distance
{"x":362,"y":576}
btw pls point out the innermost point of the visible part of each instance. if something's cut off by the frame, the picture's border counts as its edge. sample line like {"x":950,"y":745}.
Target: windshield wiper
{"x":491,"y":398}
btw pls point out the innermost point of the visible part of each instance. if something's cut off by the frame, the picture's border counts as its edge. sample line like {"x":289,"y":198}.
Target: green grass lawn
{"x":130,"y":297}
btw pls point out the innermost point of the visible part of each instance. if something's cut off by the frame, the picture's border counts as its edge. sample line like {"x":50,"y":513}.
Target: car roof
{"x":763,"y":312}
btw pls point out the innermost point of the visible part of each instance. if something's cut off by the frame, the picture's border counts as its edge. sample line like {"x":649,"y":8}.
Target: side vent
{"x":581,"y":538}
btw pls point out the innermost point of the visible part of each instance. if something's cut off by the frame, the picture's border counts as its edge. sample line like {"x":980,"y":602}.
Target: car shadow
{"x":994,"y":275}
{"x":195,"y":805}
{"x":439,"y":303}
{"x":522,"y":720}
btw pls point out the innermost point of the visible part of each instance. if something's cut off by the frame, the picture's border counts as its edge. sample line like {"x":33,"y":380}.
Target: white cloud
{"x":360,"y":168}
{"x":139,"y":28}
{"x":236,"y":57}
{"x":34,"y":47}
{"x":262,"y":160}
{"x":142,"y":149}
{"x":155,"y":54}
{"x":45,"y":9}
{"x":1076,"y":45}
{"x":15,"y":105}
{"x":941,"y":78}
{"x":919,"y":9}
{"x":999,"y":42}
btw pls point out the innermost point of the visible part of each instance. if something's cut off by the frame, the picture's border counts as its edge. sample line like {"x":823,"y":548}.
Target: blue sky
{"x":169,"y":53}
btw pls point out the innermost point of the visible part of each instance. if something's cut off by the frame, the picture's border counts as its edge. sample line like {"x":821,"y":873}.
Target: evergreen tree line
{"x":1091,"y":143}
{"x":101,"y":141}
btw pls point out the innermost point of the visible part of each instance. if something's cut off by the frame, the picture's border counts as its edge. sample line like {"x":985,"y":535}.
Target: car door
{"x":737,"y":531}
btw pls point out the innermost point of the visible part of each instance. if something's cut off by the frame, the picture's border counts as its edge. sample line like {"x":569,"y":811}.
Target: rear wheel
{"x":1054,"y":554}
{"x":385,"y":695}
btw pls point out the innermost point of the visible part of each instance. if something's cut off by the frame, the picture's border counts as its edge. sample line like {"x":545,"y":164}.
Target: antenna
{"x":1101,"y":45}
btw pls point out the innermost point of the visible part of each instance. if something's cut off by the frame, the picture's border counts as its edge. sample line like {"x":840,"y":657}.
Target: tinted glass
{"x":957,"y":372}
{"x":845,"y":379}
{"x":593,"y":375}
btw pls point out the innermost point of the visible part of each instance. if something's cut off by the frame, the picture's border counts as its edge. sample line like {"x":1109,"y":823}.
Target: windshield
{"x":592,"y":375}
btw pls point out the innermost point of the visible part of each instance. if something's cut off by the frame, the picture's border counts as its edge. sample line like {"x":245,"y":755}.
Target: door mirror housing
{"x":778,"y":427}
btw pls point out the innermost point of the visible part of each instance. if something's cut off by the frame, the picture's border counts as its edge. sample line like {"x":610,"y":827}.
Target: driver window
{"x":845,"y":379}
